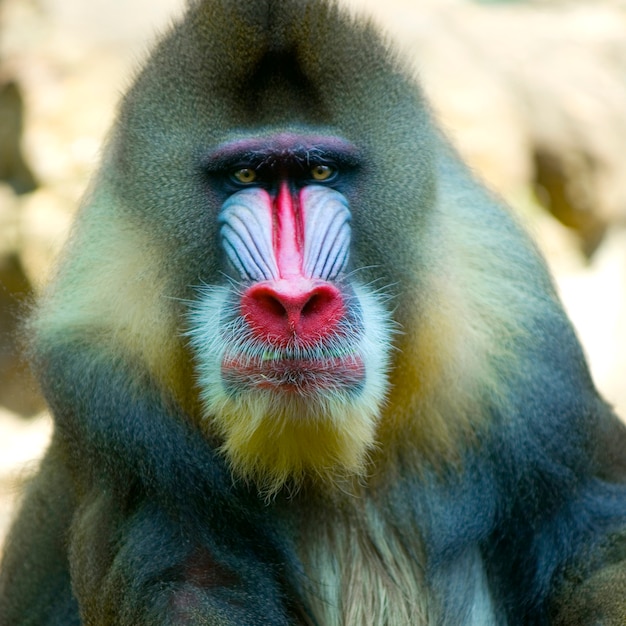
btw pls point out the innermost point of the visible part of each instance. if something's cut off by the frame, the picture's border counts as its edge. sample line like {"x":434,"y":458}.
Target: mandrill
{"x":304,"y":369}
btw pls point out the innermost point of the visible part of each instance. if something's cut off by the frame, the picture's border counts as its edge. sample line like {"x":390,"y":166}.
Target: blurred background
{"x":533,"y":93}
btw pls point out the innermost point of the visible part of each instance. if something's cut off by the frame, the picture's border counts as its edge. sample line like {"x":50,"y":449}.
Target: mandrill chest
{"x":359,"y":570}
{"x":360,"y":574}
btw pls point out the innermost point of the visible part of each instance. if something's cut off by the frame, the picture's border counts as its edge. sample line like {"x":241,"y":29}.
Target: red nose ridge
{"x":284,"y":311}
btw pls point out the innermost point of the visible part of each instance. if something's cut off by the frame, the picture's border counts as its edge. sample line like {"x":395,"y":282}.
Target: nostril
{"x":270,"y":304}
{"x":282,"y":310}
{"x":315,"y":304}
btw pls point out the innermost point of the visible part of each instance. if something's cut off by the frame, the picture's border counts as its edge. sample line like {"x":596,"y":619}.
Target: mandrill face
{"x":291,"y":352}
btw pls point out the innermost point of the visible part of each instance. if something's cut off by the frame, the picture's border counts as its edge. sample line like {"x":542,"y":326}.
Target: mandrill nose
{"x":285,"y":310}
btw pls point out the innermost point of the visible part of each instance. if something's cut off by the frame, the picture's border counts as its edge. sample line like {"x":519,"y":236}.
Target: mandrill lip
{"x":276,"y":371}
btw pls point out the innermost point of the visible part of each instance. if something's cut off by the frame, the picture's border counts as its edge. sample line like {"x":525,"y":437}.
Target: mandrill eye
{"x":245,"y":175}
{"x":322,"y":172}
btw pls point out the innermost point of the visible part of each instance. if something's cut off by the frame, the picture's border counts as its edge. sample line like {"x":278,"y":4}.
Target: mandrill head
{"x":280,"y":194}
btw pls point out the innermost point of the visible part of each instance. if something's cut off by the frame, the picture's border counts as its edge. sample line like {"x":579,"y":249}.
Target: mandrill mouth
{"x":235,"y":363}
{"x":304,"y":358}
{"x":307,"y":373}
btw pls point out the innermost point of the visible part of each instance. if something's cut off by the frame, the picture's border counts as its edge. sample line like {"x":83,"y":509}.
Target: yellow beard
{"x":276,"y":440}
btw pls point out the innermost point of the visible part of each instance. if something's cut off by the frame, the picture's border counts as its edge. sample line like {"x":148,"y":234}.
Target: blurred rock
{"x":534,"y":95}
{"x":18,"y":390}
{"x":596,"y":301}
{"x":21,"y":445}
{"x":16,"y":179}
{"x":13,"y":168}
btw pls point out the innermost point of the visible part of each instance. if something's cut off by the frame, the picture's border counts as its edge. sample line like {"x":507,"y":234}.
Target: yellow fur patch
{"x":275,"y":440}
{"x":458,"y":354}
{"x":110,"y":291}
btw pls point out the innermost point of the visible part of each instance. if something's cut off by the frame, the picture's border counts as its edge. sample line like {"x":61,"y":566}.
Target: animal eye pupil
{"x":322,"y":172}
{"x":245,"y":175}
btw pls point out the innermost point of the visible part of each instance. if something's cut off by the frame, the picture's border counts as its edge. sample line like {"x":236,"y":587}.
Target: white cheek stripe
{"x":326,"y":232}
{"x":247,"y":233}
